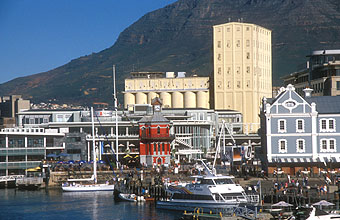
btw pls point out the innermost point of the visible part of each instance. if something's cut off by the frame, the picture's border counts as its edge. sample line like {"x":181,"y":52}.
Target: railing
{"x":30,"y":180}
{"x":10,"y":178}
{"x":246,"y":198}
{"x":253,"y":198}
{"x":158,"y":136}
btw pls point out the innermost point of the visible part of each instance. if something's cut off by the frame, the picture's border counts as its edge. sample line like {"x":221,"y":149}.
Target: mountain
{"x":178,"y":37}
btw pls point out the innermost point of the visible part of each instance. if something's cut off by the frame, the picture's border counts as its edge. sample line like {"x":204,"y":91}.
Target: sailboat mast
{"x":116,"y":108}
{"x":94,"y":148}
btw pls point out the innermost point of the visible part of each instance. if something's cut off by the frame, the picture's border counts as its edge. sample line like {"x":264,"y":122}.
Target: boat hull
{"x":186,"y":205}
{"x":88,"y":188}
{"x":127,"y":197}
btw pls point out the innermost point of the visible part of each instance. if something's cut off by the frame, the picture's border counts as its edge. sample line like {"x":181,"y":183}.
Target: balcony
{"x":163,"y":137}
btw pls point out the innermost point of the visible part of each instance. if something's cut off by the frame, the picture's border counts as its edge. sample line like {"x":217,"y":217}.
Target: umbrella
{"x":101,"y":161}
{"x":136,"y":156}
{"x":51,"y":155}
{"x":323,"y":203}
{"x":71,"y":162}
{"x":33,"y":169}
{"x":81,"y":162}
{"x":282,"y":204}
{"x":128,"y":155}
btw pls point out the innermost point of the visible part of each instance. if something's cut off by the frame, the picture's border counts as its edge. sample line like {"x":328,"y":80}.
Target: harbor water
{"x":56,"y":205}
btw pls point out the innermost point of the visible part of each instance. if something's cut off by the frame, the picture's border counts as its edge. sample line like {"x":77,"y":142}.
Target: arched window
{"x":158,"y":130}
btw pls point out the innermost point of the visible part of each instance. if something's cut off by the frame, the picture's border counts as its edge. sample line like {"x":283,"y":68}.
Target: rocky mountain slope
{"x":178,"y":37}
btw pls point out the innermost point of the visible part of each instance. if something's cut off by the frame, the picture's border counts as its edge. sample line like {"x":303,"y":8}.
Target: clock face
{"x":157,"y":108}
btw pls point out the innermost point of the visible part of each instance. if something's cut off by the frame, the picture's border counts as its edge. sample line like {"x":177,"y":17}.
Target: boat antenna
{"x":94,"y":149}
{"x":115,"y":104}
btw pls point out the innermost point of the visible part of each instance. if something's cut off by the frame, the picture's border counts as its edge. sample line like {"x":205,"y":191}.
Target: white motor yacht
{"x":211,"y":192}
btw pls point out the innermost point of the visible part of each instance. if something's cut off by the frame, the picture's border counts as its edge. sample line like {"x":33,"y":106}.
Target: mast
{"x":116,"y":108}
{"x":94,"y":149}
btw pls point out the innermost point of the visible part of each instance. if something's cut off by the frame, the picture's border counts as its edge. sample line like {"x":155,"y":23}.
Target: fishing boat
{"x":211,"y":192}
{"x":90,"y":184}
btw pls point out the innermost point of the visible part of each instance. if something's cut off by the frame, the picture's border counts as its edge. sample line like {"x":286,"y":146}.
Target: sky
{"x":40,"y":35}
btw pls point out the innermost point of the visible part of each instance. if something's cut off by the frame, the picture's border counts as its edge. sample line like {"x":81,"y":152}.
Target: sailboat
{"x":78,"y":185}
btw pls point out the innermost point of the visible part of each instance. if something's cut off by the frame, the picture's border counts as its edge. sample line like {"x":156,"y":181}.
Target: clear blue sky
{"x":39,"y":35}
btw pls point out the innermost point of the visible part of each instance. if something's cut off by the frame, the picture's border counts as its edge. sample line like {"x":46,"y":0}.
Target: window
{"x":282,"y":146}
{"x":327,"y":145}
{"x":219,"y":44}
{"x":300,"y":145}
{"x":238,"y":84}
{"x":282,"y":126}
{"x":337,"y":85}
{"x":219,"y":56}
{"x":158,"y":130}
{"x":323,"y":145}
{"x":248,"y":55}
{"x":300,"y":125}
{"x":238,"y":43}
{"x":331,"y":124}
{"x":331,"y":144}
{"x":323,"y":124}
{"x":327,"y":125}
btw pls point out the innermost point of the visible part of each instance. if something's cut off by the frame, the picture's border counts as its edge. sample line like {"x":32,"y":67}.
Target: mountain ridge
{"x":178,"y":37}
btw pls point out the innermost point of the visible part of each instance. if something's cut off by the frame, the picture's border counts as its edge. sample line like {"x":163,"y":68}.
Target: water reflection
{"x":55,"y":204}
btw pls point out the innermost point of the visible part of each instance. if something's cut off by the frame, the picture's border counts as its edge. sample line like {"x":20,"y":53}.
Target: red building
{"x":155,"y":138}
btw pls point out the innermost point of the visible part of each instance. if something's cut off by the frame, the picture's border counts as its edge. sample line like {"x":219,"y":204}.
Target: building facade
{"x":23,"y":148}
{"x":175,"y":92}
{"x":155,"y":137}
{"x":300,"y":133}
{"x":9,"y":107}
{"x":242,"y":68}
{"x":322,"y":74}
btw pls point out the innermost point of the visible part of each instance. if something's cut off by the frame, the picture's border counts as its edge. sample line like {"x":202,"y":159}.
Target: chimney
{"x":308,"y":92}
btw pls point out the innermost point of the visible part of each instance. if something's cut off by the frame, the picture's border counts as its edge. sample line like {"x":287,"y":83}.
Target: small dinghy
{"x":130,"y":197}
